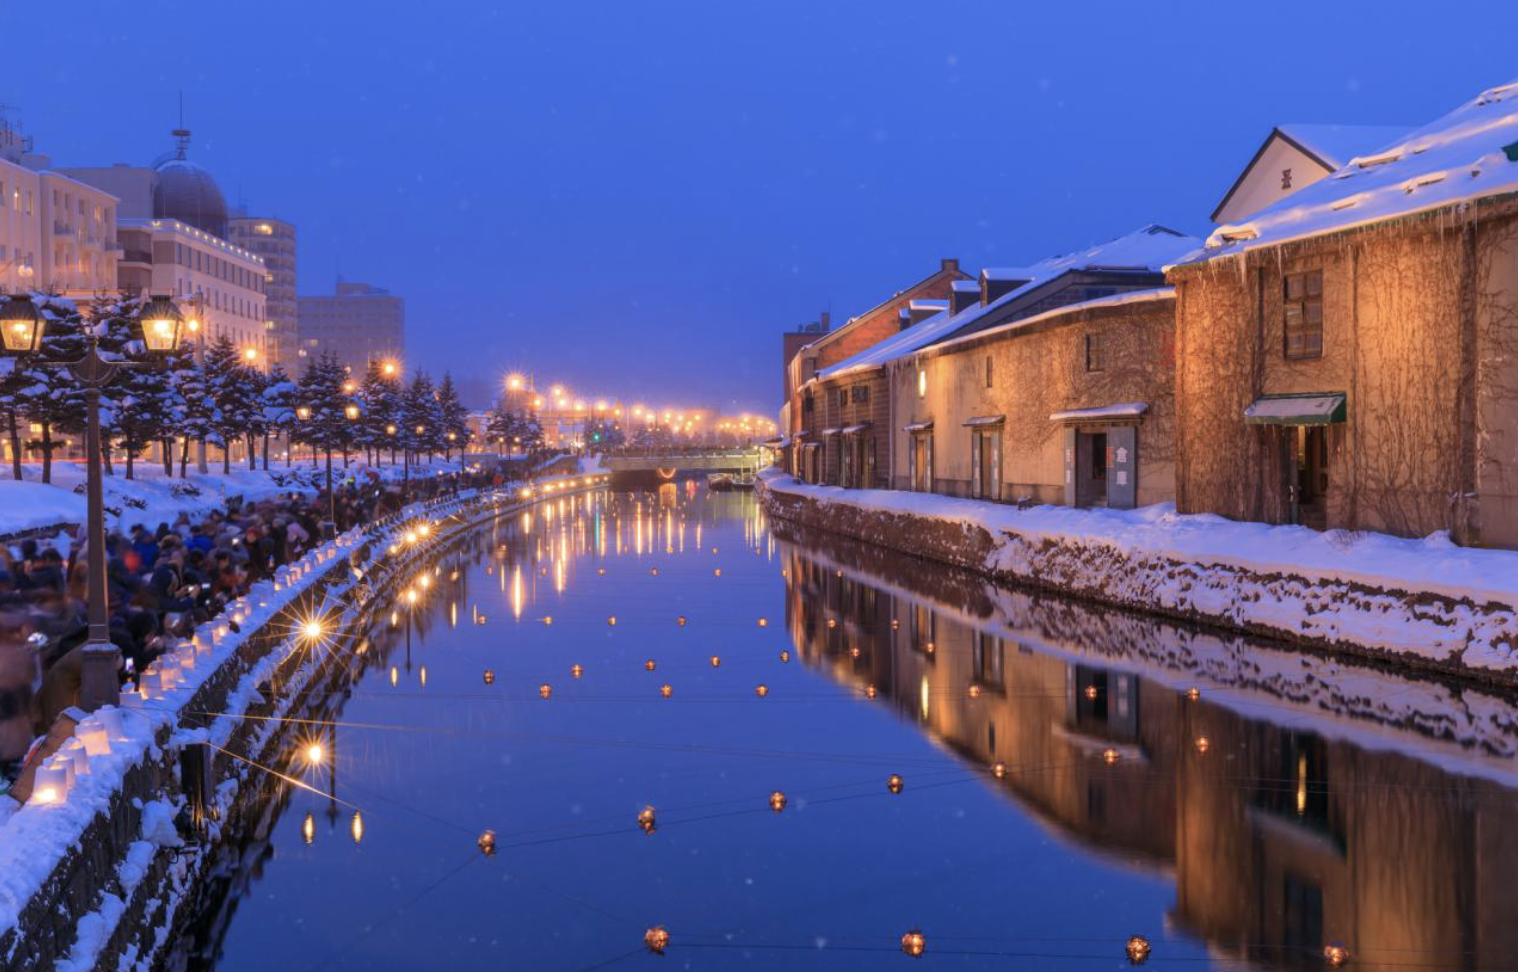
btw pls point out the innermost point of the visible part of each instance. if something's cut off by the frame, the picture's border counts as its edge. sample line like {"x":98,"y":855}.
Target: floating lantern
{"x":1091,"y":692}
{"x":893,"y":783}
{"x":656,"y":939}
{"x":1202,"y":745}
{"x":1137,"y":949}
{"x":646,"y":819}
{"x":1110,"y":756}
{"x":308,"y":828}
{"x":1193,"y":693}
{"x":548,"y":619}
{"x":545,"y":690}
{"x":777,"y":801}
{"x":489,"y":677}
{"x":487,"y":843}
{"x":1335,"y":955}
{"x":717,"y":572}
{"x":576,"y":670}
{"x":612,"y":621}
{"x":764,"y":622}
{"x":648,"y":666}
{"x":870,"y":691}
{"x":716,"y":661}
{"x":999,"y":770}
{"x":665,"y":691}
{"x":785,"y":656}
{"x":761,"y":690}
{"x":914,"y":944}
{"x":680,"y":621}
{"x":975,"y":691}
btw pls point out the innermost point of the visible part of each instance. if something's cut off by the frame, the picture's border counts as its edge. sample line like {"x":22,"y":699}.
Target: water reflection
{"x":1301,"y":802}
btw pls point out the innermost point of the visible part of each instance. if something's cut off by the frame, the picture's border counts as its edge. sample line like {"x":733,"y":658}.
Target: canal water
{"x":1069,"y":777}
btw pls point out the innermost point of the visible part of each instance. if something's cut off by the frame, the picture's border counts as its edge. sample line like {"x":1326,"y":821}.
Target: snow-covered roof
{"x":1469,"y":153}
{"x":965,"y":286}
{"x":1148,"y":248}
{"x":1335,"y":145}
{"x":1116,"y":300}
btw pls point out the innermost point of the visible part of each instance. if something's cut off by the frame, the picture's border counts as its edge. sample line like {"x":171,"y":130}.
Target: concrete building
{"x":1344,"y":356}
{"x":273,"y":241}
{"x":56,"y":234}
{"x":171,"y":229}
{"x":359,"y":323}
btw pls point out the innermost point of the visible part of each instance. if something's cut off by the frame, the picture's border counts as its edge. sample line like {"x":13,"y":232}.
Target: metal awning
{"x":1127,"y":411}
{"x":779,"y":442}
{"x":811,"y":445}
{"x":1313,"y":408}
{"x":831,"y":431}
{"x":919,"y":426}
{"x":980,"y":420}
{"x":856,"y":429}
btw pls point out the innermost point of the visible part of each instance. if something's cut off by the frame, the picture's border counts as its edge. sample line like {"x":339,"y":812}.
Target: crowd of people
{"x":161,"y":582}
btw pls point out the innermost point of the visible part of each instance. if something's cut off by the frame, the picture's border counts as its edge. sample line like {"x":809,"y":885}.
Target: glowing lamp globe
{"x":21,"y":326}
{"x":161,"y":322}
{"x":303,"y":413}
{"x":352,"y":412}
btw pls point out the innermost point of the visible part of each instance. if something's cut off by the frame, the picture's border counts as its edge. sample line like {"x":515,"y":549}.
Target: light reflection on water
{"x":1327,"y":803}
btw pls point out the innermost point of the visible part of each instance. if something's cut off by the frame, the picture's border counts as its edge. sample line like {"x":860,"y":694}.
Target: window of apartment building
{"x":1303,"y":314}
{"x":1096,"y":352}
{"x":2,"y":193}
{"x":861,"y":393}
{"x":806,"y":403}
{"x":988,"y":371}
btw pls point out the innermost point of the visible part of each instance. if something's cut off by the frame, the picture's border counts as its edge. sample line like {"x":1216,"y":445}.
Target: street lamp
{"x":22,"y":327}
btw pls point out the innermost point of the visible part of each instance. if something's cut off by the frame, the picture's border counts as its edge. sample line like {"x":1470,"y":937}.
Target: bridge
{"x":631,"y":469}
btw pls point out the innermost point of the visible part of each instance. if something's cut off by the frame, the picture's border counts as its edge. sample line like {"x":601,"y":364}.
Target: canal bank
{"x":1422,"y":603}
{"x":97,"y":871}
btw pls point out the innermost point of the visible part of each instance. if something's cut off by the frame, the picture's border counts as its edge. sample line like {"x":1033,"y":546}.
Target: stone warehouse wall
{"x":1423,"y":629}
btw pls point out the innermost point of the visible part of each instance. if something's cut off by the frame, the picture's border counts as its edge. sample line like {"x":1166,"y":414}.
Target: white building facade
{"x":56,"y":234}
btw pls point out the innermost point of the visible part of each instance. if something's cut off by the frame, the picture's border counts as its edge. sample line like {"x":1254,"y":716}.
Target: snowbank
{"x":1426,"y":600}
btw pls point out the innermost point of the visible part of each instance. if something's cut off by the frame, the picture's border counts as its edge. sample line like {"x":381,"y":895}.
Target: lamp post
{"x":22,"y":326}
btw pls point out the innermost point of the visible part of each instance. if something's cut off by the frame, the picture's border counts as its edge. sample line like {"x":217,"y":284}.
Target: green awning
{"x":1313,"y":408}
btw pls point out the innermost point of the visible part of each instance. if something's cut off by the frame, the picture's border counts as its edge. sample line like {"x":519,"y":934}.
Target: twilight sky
{"x":636,"y":198}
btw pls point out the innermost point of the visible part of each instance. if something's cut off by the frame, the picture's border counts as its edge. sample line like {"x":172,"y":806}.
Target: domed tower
{"x":187,"y":192}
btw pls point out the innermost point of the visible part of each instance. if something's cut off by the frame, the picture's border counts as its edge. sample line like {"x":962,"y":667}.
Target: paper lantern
{"x":612,"y":621}
{"x":1091,"y":692}
{"x":648,"y":666}
{"x":666,"y":691}
{"x":764,"y":622}
{"x":656,"y":939}
{"x":777,"y":801}
{"x":999,"y":770}
{"x":717,"y":572}
{"x":832,"y":622}
{"x":1137,"y":949}
{"x":49,"y":785}
{"x":1335,"y":955}
{"x":487,"y":843}
{"x":680,"y":621}
{"x":653,"y":572}
{"x":930,"y":647}
{"x":716,"y":661}
{"x":894,"y":783}
{"x":1193,"y":693}
{"x":975,"y":691}
{"x":548,"y":619}
{"x":308,"y":828}
{"x":870,"y":691}
{"x":895,"y":625}
{"x":854,"y":652}
{"x":646,"y":819}
{"x":576,"y":670}
{"x":914,"y":944}
{"x":1110,"y":756}
{"x":545,"y":690}
{"x":1202,"y":745}
{"x":761,"y":690}
{"x":489,"y":677}
{"x":785,"y":656}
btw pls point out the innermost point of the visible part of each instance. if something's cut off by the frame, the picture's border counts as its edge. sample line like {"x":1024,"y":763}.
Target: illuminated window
{"x":922,"y":383}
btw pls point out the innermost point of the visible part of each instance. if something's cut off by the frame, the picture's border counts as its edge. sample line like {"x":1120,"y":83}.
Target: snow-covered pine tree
{"x":501,"y":428}
{"x":453,"y":417}
{"x":279,"y":397}
{"x":321,"y":392}
{"x":419,"y":414}
{"x":138,"y":408}
{"x":255,"y":425}
{"x":223,"y":375}
{"x":49,"y":396}
{"x":196,"y":411}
